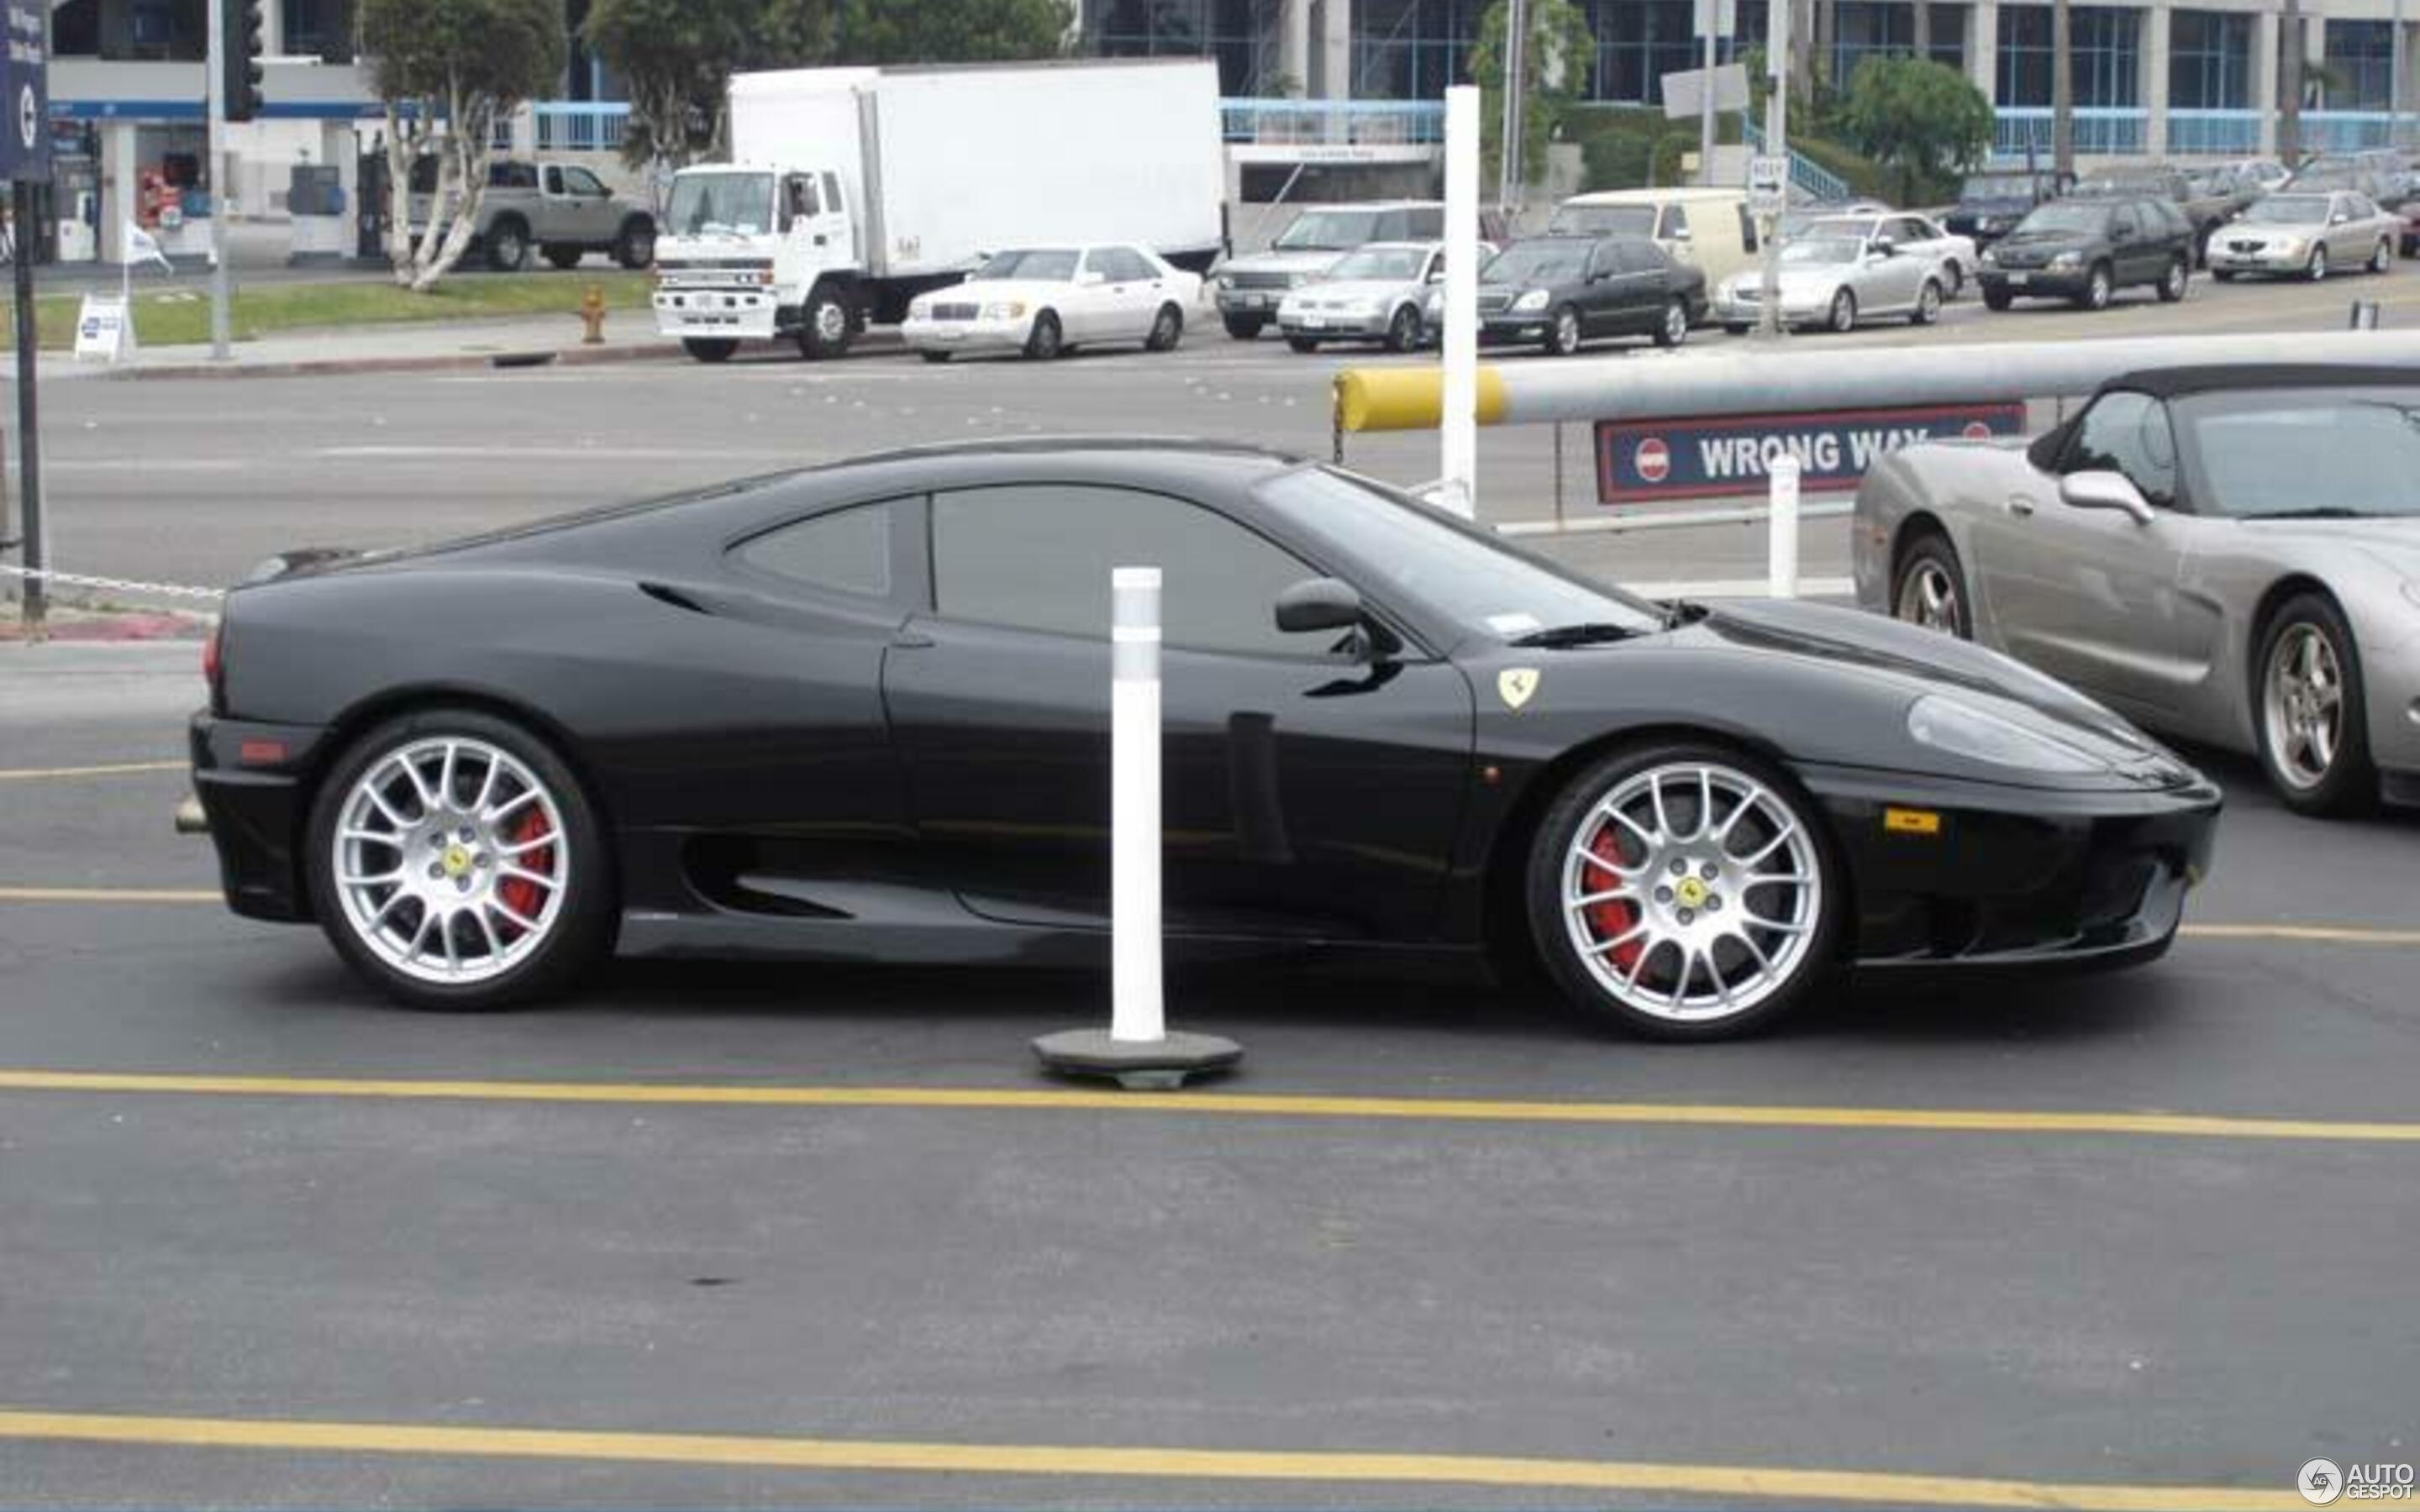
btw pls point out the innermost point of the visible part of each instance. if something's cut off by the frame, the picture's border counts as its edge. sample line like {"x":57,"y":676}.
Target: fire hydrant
{"x":592,"y":311}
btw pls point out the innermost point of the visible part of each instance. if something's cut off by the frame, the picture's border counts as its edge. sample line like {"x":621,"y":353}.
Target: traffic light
{"x":239,"y":71}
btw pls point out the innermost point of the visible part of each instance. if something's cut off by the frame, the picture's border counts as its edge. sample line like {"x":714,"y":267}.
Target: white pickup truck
{"x":852,"y":190}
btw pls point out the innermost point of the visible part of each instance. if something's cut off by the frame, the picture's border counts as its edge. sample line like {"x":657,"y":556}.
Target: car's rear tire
{"x":1997,"y":299}
{"x":1674,"y":329}
{"x":563,"y":257}
{"x":1928,"y":304}
{"x":1928,"y":587}
{"x":2309,"y":713}
{"x":635,"y":248}
{"x":1244,"y":326}
{"x":1044,"y":342}
{"x":507,"y":244}
{"x":1303,"y":344}
{"x":709,"y":348}
{"x":1681,"y":954}
{"x":1167,"y":329}
{"x":455,"y":860}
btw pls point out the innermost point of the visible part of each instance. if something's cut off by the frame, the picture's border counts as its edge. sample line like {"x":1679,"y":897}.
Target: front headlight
{"x":1534,"y":300}
{"x":2067,"y":259}
{"x":1961,"y":729}
{"x":2290,"y":246}
{"x":1225,"y":281}
{"x":1990,"y":258}
{"x":1297,"y":280}
{"x":1004,"y":310}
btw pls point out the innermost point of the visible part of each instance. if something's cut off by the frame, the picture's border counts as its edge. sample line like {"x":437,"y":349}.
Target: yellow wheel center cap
{"x":1691,"y":892}
{"x":457,"y":860}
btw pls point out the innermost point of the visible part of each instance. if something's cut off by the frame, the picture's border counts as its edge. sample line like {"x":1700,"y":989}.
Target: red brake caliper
{"x":1614,"y":917}
{"x":519,"y":894}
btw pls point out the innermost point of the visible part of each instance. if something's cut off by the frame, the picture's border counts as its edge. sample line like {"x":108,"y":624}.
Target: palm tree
{"x":2289,"y":86}
{"x":2062,"y":89}
{"x":1921,"y":43}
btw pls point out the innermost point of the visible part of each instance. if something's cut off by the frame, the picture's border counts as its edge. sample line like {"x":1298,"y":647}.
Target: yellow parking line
{"x":1229,"y":1104}
{"x":32,"y":774}
{"x":2307,"y":933}
{"x":110,"y":895}
{"x":1727,"y":1482}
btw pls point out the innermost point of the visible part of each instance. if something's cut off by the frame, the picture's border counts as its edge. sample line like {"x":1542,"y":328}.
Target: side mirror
{"x":1090,"y":278}
{"x":1885,"y":247}
{"x":1683,"y":234}
{"x":1319,"y":604}
{"x":2105,"y":491}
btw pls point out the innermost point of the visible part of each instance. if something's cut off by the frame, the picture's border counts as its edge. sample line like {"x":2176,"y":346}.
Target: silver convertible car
{"x":2226,"y":554}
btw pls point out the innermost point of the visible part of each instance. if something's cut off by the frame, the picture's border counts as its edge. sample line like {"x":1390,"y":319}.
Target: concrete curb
{"x":444,"y":362}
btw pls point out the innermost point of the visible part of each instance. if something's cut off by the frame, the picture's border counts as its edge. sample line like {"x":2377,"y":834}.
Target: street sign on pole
{"x":24,"y":161}
{"x":25,"y":83}
{"x":1768,"y":184}
{"x":1684,"y":91}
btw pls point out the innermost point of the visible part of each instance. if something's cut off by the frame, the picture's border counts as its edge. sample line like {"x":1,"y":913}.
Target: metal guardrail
{"x":2214,"y":133}
{"x":1282,"y":121}
{"x":580,"y":126}
{"x":2100,"y":130}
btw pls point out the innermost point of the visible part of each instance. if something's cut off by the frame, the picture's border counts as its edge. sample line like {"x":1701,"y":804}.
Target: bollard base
{"x":1137,"y":1065}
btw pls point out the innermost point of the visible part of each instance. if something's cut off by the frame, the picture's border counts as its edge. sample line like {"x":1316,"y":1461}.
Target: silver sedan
{"x":2305,"y":235}
{"x":2230,"y":555}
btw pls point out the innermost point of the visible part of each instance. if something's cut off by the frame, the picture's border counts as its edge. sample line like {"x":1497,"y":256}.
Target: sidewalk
{"x":629,"y":335}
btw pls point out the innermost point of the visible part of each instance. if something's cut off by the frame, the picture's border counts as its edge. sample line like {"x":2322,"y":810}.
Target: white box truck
{"x":851,"y":191}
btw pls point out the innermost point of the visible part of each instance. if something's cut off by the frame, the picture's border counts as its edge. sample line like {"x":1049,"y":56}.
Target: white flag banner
{"x":142,"y":246}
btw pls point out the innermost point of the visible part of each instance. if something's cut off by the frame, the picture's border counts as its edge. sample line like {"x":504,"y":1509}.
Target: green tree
{"x":952,"y":31}
{"x":676,"y":58}
{"x":1555,"y":64}
{"x":448,"y":71}
{"x":1924,"y":118}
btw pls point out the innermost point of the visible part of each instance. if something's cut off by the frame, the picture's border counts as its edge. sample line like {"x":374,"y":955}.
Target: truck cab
{"x":750,"y":252}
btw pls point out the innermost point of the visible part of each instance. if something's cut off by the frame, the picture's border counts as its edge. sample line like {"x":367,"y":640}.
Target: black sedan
{"x":860,"y":712}
{"x":1559,"y":292}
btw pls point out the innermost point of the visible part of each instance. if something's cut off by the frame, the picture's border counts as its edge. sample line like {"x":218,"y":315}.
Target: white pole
{"x":1781,"y":547}
{"x":1458,"y":432}
{"x":1776,"y":145}
{"x":1137,"y":1012}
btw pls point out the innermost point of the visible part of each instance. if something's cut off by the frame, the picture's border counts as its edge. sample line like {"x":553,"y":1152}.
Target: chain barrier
{"x":51,"y":577}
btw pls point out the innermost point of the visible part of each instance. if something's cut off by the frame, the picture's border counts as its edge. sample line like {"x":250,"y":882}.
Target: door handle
{"x":909,"y":637}
{"x":2021,"y":506}
{"x":820,"y":240}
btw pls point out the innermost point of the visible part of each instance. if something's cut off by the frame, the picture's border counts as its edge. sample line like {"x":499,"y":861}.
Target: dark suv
{"x":2085,"y":250}
{"x":1990,"y":205}
{"x":2205,"y":206}
{"x":1559,"y":291}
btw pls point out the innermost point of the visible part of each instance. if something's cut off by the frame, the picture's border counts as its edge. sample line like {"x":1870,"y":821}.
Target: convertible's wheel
{"x":1682,"y":891}
{"x":454,"y":861}
{"x":1843,"y":318}
{"x":2314,"y":722}
{"x":1674,"y":330}
{"x":1930,"y":590}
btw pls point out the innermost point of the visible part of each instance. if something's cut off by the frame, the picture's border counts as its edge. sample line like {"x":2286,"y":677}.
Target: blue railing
{"x":1819,"y":182}
{"x":580,"y":126}
{"x":2345,"y":130}
{"x":2100,"y":130}
{"x":1346,"y":122}
{"x":2214,"y":133}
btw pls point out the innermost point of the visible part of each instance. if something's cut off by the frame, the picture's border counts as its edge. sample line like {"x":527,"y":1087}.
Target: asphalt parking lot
{"x":758,"y":1235}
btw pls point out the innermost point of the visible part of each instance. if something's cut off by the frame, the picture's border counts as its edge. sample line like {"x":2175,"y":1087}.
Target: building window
{"x":1240,"y":36}
{"x":2361,"y":59}
{"x":1412,"y":48}
{"x":1637,"y":42}
{"x":2106,"y":72}
{"x":2210,"y":59}
{"x":1873,"y":28}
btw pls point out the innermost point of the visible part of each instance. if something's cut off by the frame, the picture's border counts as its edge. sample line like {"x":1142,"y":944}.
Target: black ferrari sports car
{"x":860,"y":712}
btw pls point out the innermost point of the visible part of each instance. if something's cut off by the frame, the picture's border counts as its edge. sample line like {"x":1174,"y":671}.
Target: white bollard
{"x":1781,"y":545}
{"x":1458,"y":344}
{"x":1137,"y":1052}
{"x":1136,"y":1009}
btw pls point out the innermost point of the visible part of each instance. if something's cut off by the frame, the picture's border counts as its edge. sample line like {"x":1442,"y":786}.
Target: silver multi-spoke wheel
{"x":1692,"y":892}
{"x":1927,"y":597}
{"x":2302,"y":705}
{"x":451,"y":860}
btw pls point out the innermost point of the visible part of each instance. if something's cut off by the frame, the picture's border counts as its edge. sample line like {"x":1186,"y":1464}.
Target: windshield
{"x":2325,"y":179}
{"x":1328,"y":231}
{"x":1413,"y":551}
{"x":1045,"y":265}
{"x":1997,"y":185}
{"x":2120,"y":183}
{"x":1390,"y":264}
{"x":1604,"y":220}
{"x":1537,"y":262}
{"x":1821,"y":252}
{"x":2305,"y":451}
{"x":722,"y":205}
{"x":2059,"y":216}
{"x":2289,"y":209}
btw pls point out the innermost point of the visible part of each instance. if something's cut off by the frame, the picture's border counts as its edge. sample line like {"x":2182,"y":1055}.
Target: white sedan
{"x":1041,"y":301}
{"x":1915,"y":236}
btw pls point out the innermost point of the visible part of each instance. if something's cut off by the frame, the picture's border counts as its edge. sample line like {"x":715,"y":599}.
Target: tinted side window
{"x":2126,"y":432}
{"x":1426,"y":223}
{"x":581,"y":182}
{"x":1676,"y":221}
{"x":1038,"y":557}
{"x":846,"y":552}
{"x":1747,"y":228}
{"x":1124,"y":265}
{"x":553,"y":179}
{"x":1640,"y":257}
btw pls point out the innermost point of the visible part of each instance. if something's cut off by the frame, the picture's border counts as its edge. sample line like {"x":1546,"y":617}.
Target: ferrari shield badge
{"x":1514,"y":684}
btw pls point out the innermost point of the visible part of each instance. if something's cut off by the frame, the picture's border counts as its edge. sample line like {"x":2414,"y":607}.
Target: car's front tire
{"x":1842,"y":317}
{"x":1928,"y":304}
{"x":1674,"y":329}
{"x":1997,"y":299}
{"x":454,"y":860}
{"x":2383,"y":260}
{"x":1404,"y":330}
{"x":2098,"y":287}
{"x":1563,"y":333}
{"x":2317,"y":269}
{"x":2310,"y":714}
{"x":2174,"y":282}
{"x":1044,"y":342}
{"x":1684,"y":891}
{"x":709,"y":348}
{"x":1244,"y":326}
{"x":1167,"y":329}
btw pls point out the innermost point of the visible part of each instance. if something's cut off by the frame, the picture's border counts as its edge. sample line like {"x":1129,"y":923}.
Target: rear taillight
{"x":215,"y":666}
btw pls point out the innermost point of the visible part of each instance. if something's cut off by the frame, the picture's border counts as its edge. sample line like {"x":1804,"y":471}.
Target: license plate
{"x":1255,"y":302}
{"x":1314,"y":322}
{"x":2020,"y":280}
